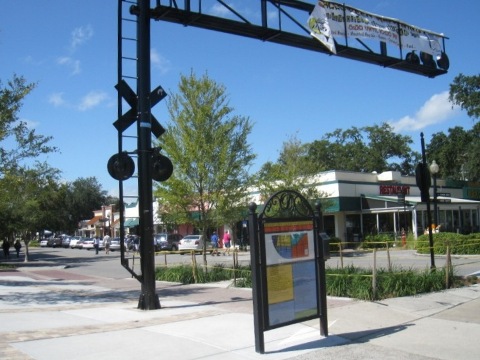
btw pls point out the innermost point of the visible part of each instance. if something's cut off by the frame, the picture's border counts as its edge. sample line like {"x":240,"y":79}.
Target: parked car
{"x":87,"y":243}
{"x":66,"y":241}
{"x":75,"y":242}
{"x":193,"y":242}
{"x":43,"y":243}
{"x":115,"y":244}
{"x":54,"y":242}
{"x":167,"y":242}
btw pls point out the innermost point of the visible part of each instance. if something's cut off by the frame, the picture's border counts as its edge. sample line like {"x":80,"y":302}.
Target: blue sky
{"x":69,"y":48}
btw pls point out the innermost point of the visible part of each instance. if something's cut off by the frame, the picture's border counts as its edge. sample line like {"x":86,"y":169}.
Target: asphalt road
{"x":463,"y":264}
{"x":88,"y":263}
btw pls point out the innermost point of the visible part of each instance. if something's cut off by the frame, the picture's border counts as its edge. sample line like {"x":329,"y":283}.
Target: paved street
{"x":109,"y":265}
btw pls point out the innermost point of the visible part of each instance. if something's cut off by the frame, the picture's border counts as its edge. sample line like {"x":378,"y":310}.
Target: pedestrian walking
{"x":136,"y":243}
{"x":106,"y":244}
{"x":226,"y":243}
{"x":17,"y":247}
{"x":214,"y":242}
{"x":96,"y":244}
{"x":6,"y":249}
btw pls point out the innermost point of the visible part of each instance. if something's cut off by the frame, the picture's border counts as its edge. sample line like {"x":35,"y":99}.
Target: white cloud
{"x":436,"y":110}
{"x":220,"y":10}
{"x":56,"y":99}
{"x":272,"y":15}
{"x":159,"y":62}
{"x":92,"y":99}
{"x":80,"y":35}
{"x":71,"y":63}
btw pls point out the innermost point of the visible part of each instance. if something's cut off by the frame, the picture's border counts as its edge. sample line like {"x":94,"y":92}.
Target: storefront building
{"x":358,"y":204}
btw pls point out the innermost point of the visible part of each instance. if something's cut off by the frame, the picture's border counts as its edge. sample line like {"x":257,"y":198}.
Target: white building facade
{"x":358,"y":204}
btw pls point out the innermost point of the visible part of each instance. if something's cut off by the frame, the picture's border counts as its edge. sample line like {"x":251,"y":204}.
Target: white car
{"x":192,"y":242}
{"x":115,"y":244}
{"x":74,"y":242}
{"x":43,"y":243}
{"x":88,"y":244}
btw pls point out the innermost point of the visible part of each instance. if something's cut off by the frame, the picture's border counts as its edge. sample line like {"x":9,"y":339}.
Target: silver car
{"x":115,"y":244}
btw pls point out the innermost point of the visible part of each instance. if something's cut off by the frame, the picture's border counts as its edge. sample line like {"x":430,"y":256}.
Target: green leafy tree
{"x":388,"y":150}
{"x":31,"y":200}
{"x":456,"y":153}
{"x":22,"y":174}
{"x":465,"y":92}
{"x":292,"y":171}
{"x":209,"y":148}
{"x":23,"y":143}
{"x":84,"y":196}
{"x":366,"y":149}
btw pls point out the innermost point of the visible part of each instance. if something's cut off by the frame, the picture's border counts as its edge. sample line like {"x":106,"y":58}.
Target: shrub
{"x":458,"y":243}
{"x":379,"y":241}
{"x":357,"y":282}
{"x":185,"y":274}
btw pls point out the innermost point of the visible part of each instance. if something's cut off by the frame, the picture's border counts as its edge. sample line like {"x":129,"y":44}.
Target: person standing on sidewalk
{"x":226,"y":243}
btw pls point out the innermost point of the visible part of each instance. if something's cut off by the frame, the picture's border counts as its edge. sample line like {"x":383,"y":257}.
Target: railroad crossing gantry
{"x":290,"y":28}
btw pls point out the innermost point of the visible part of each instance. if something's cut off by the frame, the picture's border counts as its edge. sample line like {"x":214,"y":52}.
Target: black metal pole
{"x":429,"y":213}
{"x":321,"y":278}
{"x":148,"y":298}
{"x":255,"y":262}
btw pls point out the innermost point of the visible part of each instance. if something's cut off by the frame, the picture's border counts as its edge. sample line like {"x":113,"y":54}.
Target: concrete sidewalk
{"x":54,"y":313}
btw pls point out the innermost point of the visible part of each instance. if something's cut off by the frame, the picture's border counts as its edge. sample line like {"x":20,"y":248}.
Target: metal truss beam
{"x":237,"y":24}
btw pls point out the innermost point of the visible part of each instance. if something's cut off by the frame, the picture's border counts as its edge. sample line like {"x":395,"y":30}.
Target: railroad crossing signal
{"x":121,"y":166}
{"x":130,"y":116}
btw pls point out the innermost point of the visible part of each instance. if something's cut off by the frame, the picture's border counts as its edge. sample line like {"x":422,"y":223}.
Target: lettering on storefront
{"x":394,"y":189}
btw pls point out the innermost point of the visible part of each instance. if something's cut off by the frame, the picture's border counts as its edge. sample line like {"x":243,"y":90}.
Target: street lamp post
{"x":434,"y":168}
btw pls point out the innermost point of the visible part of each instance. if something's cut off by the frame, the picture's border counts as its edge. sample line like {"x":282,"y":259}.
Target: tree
{"x":388,"y":150}
{"x":292,"y":171}
{"x":31,"y":200}
{"x":456,"y":153}
{"x":209,"y":148}
{"x":465,"y":92}
{"x":24,"y":143}
{"x":366,"y":149}
{"x":23,"y":177}
{"x":84,"y":196}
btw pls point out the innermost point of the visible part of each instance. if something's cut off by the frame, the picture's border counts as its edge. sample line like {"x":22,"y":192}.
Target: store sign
{"x":394,"y":189}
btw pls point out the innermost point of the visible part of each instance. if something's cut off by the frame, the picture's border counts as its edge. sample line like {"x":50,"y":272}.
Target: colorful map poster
{"x":286,"y":247}
{"x":290,"y":272}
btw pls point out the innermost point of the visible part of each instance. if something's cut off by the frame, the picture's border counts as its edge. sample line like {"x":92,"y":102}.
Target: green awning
{"x":132,"y":222}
